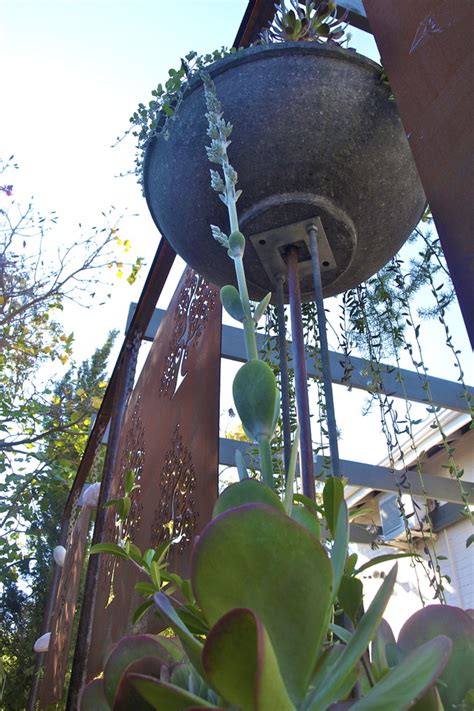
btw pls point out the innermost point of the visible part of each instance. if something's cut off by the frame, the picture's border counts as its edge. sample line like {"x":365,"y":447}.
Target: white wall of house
{"x":412,"y":583}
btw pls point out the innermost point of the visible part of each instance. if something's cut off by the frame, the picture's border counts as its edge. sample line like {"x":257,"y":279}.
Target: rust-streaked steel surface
{"x":427,"y":51}
{"x":62,"y":620}
{"x":170,"y":441}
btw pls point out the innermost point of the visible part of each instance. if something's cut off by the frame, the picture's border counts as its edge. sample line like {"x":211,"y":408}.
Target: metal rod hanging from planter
{"x":301,"y":384}
{"x":285,"y":394}
{"x":324,"y":350}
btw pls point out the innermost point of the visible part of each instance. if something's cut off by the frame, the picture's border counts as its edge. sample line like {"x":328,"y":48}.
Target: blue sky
{"x":73,"y":72}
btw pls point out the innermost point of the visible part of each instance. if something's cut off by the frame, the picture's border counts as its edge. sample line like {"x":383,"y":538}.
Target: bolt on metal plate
{"x":272,"y":244}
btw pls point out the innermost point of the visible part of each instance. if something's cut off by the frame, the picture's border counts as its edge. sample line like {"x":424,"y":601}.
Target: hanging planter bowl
{"x":315,"y":135}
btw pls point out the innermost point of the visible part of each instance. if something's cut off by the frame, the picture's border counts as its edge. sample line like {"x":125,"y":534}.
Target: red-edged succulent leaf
{"x":454,"y":623}
{"x":93,"y":697}
{"x":130,"y":649}
{"x":256,"y":558}
{"x":247,"y":491}
{"x":383,"y":637}
{"x":127,"y":697}
{"x":166,"y":697}
{"x":241,"y":665}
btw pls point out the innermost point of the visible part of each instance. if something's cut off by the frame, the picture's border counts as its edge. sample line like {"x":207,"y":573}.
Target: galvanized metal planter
{"x":315,"y":135}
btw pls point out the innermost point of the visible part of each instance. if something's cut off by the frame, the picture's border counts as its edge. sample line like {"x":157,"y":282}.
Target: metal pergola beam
{"x":402,"y":383}
{"x":368,"y":475}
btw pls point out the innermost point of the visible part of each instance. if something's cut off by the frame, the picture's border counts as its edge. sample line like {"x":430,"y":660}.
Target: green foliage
{"x":312,"y":21}
{"x":268,"y":642}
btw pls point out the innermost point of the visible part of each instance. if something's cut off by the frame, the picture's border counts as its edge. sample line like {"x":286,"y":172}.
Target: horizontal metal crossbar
{"x":372,"y":476}
{"x":355,"y":372}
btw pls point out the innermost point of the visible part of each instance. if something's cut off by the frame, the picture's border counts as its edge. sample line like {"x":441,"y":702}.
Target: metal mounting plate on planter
{"x":271,"y":245}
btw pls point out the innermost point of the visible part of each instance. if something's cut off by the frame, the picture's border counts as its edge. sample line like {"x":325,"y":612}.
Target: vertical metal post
{"x":125,"y":385}
{"x":45,"y":626}
{"x":285,"y":394}
{"x":301,"y":378}
{"x":323,"y":340}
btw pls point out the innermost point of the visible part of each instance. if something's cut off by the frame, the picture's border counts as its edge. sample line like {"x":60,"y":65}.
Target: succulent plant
{"x":273,"y":618}
{"x":268,"y":589}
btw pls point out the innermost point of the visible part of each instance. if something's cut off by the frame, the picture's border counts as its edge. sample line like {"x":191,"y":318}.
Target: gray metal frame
{"x":445,"y":394}
{"x":405,"y":384}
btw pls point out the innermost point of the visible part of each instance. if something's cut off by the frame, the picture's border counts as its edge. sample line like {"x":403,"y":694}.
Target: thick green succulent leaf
{"x":333,"y":495}
{"x":453,"y":622}
{"x":379,"y":659}
{"x":268,"y":563}
{"x":340,"y":545}
{"x":241,"y":665}
{"x":262,"y":307}
{"x":306,"y":518}
{"x":350,"y":596}
{"x":410,"y":679}
{"x":255,"y":393}
{"x":290,"y":479}
{"x":191,"y":645}
{"x":93,"y":697}
{"x":130,"y":649}
{"x":127,"y":697}
{"x":230,"y":300}
{"x":162,"y":695}
{"x":329,"y":691}
{"x":431,"y":701}
{"x":382,"y":559}
{"x":247,"y":491}
{"x":325,"y":665}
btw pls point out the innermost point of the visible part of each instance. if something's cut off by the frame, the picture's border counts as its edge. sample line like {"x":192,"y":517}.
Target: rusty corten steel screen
{"x":427,"y":51}
{"x":56,"y":659}
{"x":170,"y":441}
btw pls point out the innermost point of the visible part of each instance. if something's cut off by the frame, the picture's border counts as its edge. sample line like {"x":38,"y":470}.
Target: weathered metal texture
{"x":353,"y":371}
{"x":315,"y":135}
{"x":125,"y":378}
{"x":426,"y":48}
{"x":170,"y":441}
{"x":56,"y":659}
{"x":301,"y":378}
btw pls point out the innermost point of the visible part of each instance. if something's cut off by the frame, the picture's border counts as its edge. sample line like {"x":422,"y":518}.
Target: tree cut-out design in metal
{"x":170,"y":440}
{"x":177,"y":515}
{"x":197,"y":300}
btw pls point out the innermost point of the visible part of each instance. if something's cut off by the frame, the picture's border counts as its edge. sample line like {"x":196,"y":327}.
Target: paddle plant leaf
{"x":350,"y":596}
{"x":255,"y":392}
{"x":93,"y":697}
{"x":162,"y":695}
{"x":366,"y":629}
{"x":409,"y":680}
{"x":273,"y":566}
{"x":230,"y":300}
{"x":130,"y":649}
{"x":247,"y":491}
{"x":127,"y":697}
{"x":191,"y":645}
{"x":306,"y":518}
{"x":241,"y":665}
{"x":458,"y":626}
{"x":333,"y":495}
{"x":383,"y":638}
{"x":340,"y":545}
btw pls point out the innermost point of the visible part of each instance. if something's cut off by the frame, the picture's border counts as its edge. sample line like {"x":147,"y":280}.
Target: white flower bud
{"x":91,"y":496}
{"x":42,"y":643}
{"x":59,"y":555}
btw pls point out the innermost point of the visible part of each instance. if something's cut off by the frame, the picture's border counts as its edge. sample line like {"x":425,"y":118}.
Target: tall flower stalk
{"x":255,"y":391}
